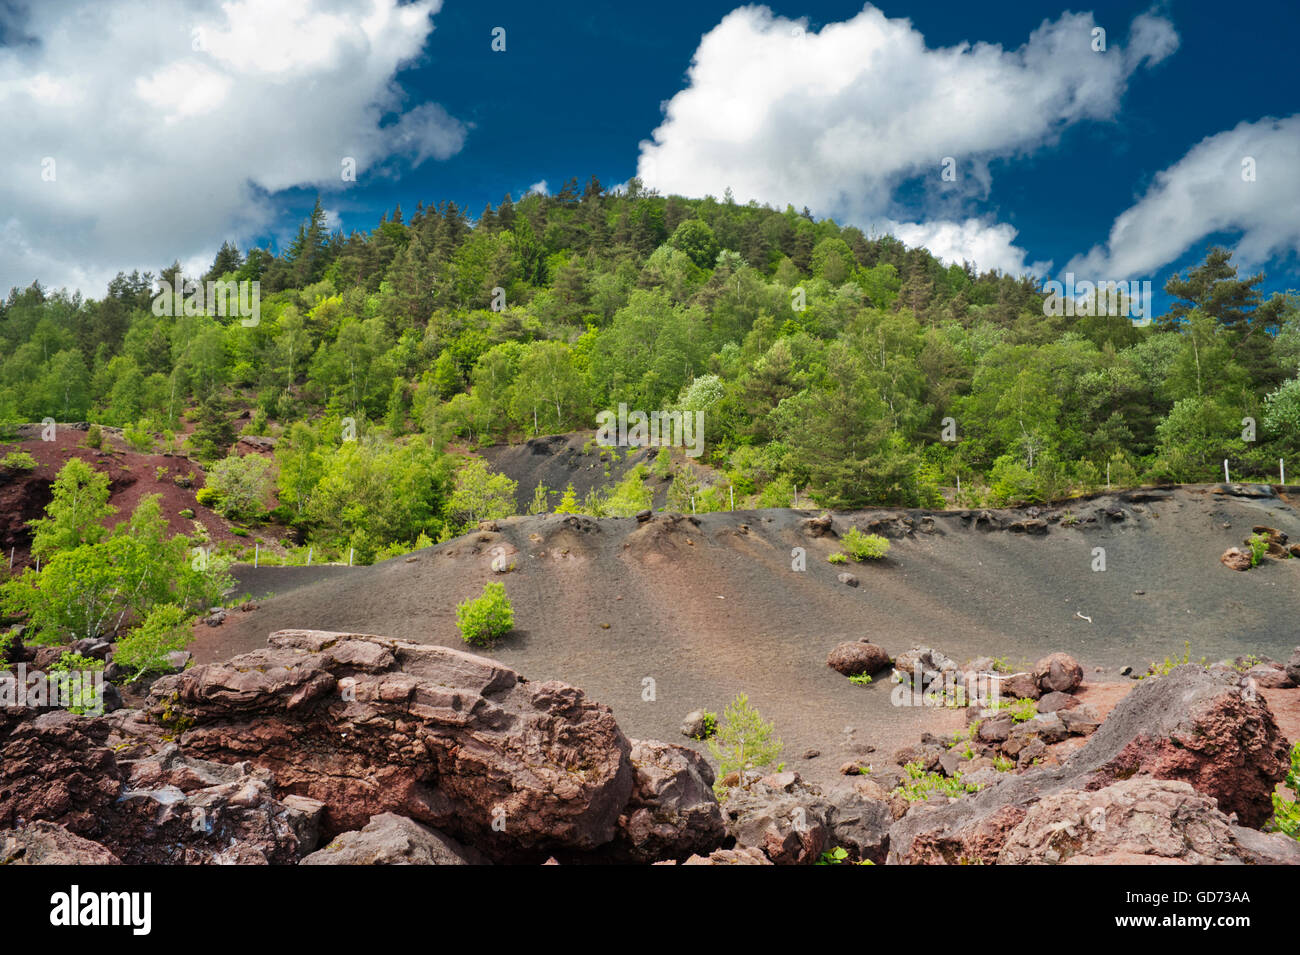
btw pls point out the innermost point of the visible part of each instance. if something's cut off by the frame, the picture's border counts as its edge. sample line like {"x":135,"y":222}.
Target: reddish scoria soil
{"x":132,"y":477}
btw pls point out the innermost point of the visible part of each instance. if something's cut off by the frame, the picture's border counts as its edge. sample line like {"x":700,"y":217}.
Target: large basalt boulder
{"x":1272,"y":676}
{"x":1264,"y":848}
{"x":48,"y":843}
{"x":777,"y":824}
{"x":1293,"y":667}
{"x":1193,"y":725}
{"x":855,"y":657}
{"x":388,"y":839}
{"x":369,"y":725}
{"x":1136,"y":817}
{"x":1199,"y":726}
{"x":672,"y":813}
{"x":792,"y":822}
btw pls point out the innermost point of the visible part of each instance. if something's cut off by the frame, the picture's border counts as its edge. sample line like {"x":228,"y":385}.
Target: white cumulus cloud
{"x":837,"y":119}
{"x":1244,"y":180}
{"x":987,"y":246}
{"x":135,"y":134}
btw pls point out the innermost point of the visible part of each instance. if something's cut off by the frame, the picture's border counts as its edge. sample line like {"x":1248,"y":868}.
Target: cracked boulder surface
{"x":368,"y":725}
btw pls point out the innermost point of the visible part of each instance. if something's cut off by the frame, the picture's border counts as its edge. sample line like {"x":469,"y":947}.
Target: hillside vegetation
{"x":826,"y":362}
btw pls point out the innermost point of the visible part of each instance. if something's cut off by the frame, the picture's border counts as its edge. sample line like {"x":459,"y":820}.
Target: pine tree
{"x":309,"y":253}
{"x":568,"y":502}
{"x":744,"y":741}
{"x":227,"y":260}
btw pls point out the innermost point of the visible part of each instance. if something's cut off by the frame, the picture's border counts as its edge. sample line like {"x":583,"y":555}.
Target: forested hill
{"x":824,"y":360}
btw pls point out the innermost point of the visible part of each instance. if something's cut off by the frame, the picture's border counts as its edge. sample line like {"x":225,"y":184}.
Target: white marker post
{"x":1225,"y":471}
{"x":257,"y":550}
{"x":1281,"y":466}
{"x":732,"y":492}
{"x":350,"y":556}
{"x":309,"y":550}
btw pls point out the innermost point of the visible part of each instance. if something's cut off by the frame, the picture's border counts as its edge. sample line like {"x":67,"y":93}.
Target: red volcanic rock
{"x":369,"y":725}
{"x":162,"y":808}
{"x":1213,"y":735}
{"x":1058,"y":673}
{"x":857,"y":657}
{"x":1138,"y":817}
{"x":57,"y":767}
{"x":741,"y":855}
{"x":392,"y":840}
{"x":1193,"y":725}
{"x":978,"y":841}
{"x":48,"y":843}
{"x":673,"y":812}
{"x":1236,"y":559}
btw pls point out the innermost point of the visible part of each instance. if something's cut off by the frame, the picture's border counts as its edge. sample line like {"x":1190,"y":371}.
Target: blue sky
{"x":1080,"y":140}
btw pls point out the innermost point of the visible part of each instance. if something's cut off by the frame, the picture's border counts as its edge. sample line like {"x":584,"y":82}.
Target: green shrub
{"x":167,"y":628}
{"x":187,"y":514}
{"x":862,"y":679}
{"x":75,"y":661}
{"x":838,"y":558}
{"x":79,"y":694}
{"x":921,"y":785}
{"x":18,"y":461}
{"x":486,"y":617}
{"x":1258,"y":548}
{"x":663,"y":466}
{"x":1160,"y":669}
{"x":1286,"y":813}
{"x":209,"y":497}
{"x":862,"y":546}
{"x":8,"y":640}
{"x":138,"y":437}
{"x":541,"y":496}
{"x":1022,"y":710}
{"x":239,"y":531}
{"x":779,"y":493}
{"x":74,"y":516}
{"x":94,"y":437}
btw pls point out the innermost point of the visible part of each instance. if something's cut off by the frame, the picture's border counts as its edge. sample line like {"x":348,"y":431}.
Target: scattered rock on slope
{"x":1193,"y":725}
{"x":1059,"y":673}
{"x":855,"y":657}
{"x":1236,"y":559}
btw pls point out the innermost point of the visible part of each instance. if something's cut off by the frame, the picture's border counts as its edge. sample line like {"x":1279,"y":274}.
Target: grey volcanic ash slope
{"x":709,"y":607}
